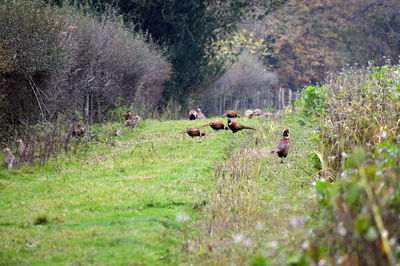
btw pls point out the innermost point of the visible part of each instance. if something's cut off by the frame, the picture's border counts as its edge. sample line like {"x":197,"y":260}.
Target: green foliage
{"x":30,"y":37}
{"x":313,"y":100}
{"x":54,"y":59}
{"x":361,"y":150}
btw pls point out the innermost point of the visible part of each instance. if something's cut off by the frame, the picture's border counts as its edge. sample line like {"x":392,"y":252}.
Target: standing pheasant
{"x":21,"y":150}
{"x":216,"y":125}
{"x":235,"y":127}
{"x":193,"y":115}
{"x":194,"y":132}
{"x":9,"y":160}
{"x":231,"y":114}
{"x":282,"y":148}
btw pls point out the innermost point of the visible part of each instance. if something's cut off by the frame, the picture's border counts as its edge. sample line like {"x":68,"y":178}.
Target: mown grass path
{"x":114,"y":204}
{"x":133,"y":202}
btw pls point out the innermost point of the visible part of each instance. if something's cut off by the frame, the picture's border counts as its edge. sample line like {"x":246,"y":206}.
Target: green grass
{"x":260,"y":210}
{"x":127,"y":203}
{"x":112,"y":204}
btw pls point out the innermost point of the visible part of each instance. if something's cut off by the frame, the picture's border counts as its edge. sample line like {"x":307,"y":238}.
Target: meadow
{"x":156,"y":196}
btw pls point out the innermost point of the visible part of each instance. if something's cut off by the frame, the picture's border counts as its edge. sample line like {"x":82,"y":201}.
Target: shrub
{"x":29,"y":50}
{"x":362,"y":109}
{"x":361,"y":157}
{"x":60,"y":60}
{"x":313,"y":100}
{"x":363,"y":208}
{"x":107,"y":61}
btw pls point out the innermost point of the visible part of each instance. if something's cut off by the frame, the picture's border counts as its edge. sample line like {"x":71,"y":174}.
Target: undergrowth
{"x":359,"y":158}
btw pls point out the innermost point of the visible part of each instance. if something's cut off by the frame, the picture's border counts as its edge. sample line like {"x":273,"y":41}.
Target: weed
{"x":41,"y":219}
{"x":359,"y":154}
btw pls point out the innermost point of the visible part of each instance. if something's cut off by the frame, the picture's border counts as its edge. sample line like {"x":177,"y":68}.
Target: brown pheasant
{"x":282,"y":148}
{"x":194,"y":132}
{"x":9,"y":160}
{"x":21,"y":150}
{"x":235,"y":127}
{"x":231,"y":114}
{"x":193,"y":115}
{"x":216,"y":125}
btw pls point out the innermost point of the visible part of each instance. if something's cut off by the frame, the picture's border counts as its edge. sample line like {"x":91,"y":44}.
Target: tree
{"x":188,"y":28}
{"x":63,"y":59}
{"x":308,"y":38}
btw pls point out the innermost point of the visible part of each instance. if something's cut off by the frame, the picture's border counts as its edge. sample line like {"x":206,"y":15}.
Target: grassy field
{"x":152,"y":197}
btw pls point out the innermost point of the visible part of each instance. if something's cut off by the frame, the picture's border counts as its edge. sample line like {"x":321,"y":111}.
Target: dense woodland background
{"x":88,"y":58}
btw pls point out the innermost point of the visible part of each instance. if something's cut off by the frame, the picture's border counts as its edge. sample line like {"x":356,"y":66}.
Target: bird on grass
{"x":216,"y":125}
{"x":21,"y":149}
{"x":194,"y":132}
{"x":193,"y":115}
{"x":78,"y":131}
{"x":9,"y":160}
{"x":282,"y":148}
{"x":235,"y":127}
{"x":231,"y":114}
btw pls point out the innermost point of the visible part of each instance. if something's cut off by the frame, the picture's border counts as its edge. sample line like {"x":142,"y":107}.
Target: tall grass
{"x":360,"y":156}
{"x":257,"y":208}
{"x":362,"y":109}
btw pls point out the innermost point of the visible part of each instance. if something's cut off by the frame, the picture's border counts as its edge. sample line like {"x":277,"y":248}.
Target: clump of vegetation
{"x":362,"y":109}
{"x":55,"y":59}
{"x":313,"y":100}
{"x":41,"y":219}
{"x":360,"y":156}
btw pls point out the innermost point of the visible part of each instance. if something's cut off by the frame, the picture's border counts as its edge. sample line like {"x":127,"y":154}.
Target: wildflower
{"x":238,"y":238}
{"x":259,"y":226}
{"x":181,"y":217}
{"x":272,"y":244}
{"x":341,"y":230}
{"x":340,"y":260}
{"x":247,"y":242}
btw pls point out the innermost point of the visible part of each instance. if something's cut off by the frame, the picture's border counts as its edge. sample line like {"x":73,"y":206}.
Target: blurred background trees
{"x":307,"y":39}
{"x":215,"y":54}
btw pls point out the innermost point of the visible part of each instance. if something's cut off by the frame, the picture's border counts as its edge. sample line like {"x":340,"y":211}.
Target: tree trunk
{"x":87,"y":103}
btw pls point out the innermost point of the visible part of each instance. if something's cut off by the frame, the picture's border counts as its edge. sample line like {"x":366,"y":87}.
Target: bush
{"x":60,"y":60}
{"x":313,"y":100}
{"x":29,"y":50}
{"x":106,"y":61}
{"x":361,"y":157}
{"x":363,"y":207}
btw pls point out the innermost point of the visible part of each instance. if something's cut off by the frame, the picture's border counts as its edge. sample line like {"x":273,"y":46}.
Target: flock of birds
{"x":282,"y":148}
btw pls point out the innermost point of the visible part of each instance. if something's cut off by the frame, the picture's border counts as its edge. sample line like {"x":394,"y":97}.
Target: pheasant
{"x":193,"y":115}
{"x":21,"y":149}
{"x":9,"y":160}
{"x":282,"y":148}
{"x":231,"y":114}
{"x":128,"y":115}
{"x":78,"y":131}
{"x":194,"y":132}
{"x":216,"y":125}
{"x":235,"y":127}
